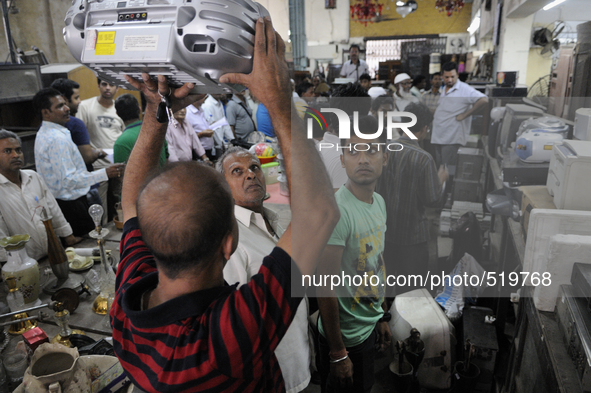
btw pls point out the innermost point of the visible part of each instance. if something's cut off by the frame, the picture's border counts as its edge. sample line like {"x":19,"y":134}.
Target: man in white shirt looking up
{"x":258,"y":235}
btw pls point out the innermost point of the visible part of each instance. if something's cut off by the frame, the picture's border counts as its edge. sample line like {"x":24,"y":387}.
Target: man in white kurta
{"x":22,"y":195}
{"x":258,"y":235}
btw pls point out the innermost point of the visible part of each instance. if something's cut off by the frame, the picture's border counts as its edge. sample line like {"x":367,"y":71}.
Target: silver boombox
{"x":187,"y":40}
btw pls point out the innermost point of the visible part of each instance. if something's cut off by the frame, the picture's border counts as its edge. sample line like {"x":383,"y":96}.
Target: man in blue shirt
{"x":71,"y":92}
{"x":60,"y":163}
{"x":264,"y":121}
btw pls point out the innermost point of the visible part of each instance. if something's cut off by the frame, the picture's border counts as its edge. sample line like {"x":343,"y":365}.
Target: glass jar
{"x":22,"y":267}
{"x":14,"y":298}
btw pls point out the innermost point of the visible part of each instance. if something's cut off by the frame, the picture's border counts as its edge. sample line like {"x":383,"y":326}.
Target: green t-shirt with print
{"x":360,"y":231}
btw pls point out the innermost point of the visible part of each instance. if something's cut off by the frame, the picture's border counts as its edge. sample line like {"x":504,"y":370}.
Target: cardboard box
{"x":469,"y":165}
{"x":534,"y":197}
{"x":467,"y":190}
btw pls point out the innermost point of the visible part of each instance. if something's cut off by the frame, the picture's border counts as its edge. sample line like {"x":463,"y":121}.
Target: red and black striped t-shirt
{"x":215,"y":340}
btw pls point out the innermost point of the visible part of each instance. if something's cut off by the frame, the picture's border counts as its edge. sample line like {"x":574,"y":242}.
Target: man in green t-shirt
{"x":128,"y":109}
{"x":351,"y":324}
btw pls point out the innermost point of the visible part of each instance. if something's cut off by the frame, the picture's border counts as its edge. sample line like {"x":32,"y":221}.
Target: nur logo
{"x":317,"y":116}
{"x":344,"y":131}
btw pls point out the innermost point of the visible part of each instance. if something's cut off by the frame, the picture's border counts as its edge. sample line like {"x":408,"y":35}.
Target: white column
{"x":514,"y":45}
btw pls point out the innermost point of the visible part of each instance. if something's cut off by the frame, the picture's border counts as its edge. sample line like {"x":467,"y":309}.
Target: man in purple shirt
{"x":183,"y":142}
{"x":198,"y":120}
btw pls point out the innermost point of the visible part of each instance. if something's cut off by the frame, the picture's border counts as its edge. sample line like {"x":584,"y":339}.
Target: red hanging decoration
{"x":449,"y":6}
{"x":366,"y":11}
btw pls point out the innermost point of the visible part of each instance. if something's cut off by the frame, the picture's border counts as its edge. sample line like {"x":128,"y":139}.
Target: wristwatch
{"x":386,"y":317}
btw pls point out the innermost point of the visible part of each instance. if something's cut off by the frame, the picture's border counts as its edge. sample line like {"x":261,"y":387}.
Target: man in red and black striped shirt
{"x":176,"y":325}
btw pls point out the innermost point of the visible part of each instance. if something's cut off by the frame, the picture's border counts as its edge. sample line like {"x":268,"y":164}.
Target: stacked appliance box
{"x":467,"y":180}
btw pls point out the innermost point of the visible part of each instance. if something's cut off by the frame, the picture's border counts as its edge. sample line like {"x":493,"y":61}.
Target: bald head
{"x":185,"y":213}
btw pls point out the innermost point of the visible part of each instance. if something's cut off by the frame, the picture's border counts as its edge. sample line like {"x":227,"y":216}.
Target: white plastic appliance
{"x":569,"y":176}
{"x":582,"y":129}
{"x":188,"y":41}
{"x":417,"y":309}
{"x":547,"y":123}
{"x":535,"y":146}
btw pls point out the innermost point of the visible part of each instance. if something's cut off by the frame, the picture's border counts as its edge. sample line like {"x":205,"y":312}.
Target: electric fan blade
{"x":548,"y":35}
{"x":557,"y":32}
{"x":547,"y":48}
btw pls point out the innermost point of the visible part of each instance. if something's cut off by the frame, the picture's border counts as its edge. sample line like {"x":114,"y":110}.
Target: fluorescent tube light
{"x":553,"y":4}
{"x":474,"y":25}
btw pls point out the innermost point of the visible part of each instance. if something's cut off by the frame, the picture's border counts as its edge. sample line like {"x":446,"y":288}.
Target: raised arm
{"x":146,"y":153}
{"x":314,"y":210}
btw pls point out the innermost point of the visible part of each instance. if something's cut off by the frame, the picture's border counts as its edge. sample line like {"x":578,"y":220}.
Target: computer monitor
{"x":515,"y":114}
{"x":20,"y":82}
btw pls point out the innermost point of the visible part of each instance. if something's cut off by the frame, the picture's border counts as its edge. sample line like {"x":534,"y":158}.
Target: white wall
{"x":322,"y":26}
{"x":327,"y":32}
{"x":514,"y":46}
{"x":325,"y":29}
{"x":327,"y":26}
{"x":279,"y":11}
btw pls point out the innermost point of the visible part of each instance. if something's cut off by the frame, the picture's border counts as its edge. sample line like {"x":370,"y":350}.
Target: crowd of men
{"x":206,"y":303}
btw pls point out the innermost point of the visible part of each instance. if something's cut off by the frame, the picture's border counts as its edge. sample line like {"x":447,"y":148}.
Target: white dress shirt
{"x":214,"y":111}
{"x":293,"y":352}
{"x":350,"y":70}
{"x":457,"y":100}
{"x":198,"y":120}
{"x":332,"y":159}
{"x":61,"y":165}
{"x":20,"y":213}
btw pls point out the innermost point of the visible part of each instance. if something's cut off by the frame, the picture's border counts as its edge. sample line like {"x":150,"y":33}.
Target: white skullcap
{"x":401,"y":77}
{"x":376,"y":92}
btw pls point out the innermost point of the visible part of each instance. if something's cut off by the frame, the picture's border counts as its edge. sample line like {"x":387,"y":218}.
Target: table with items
{"x":539,"y":359}
{"x":73,"y":304}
